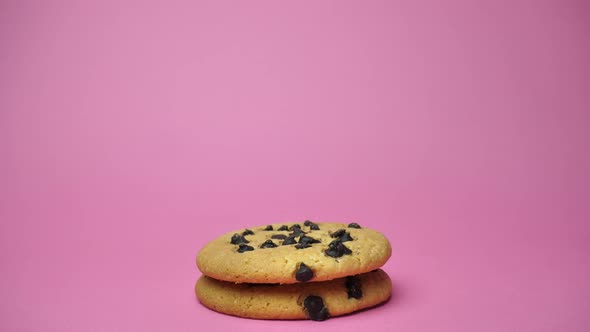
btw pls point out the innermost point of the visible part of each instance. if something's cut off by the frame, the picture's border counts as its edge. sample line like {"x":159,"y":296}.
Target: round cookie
{"x":294,"y":252}
{"x":316,"y":301}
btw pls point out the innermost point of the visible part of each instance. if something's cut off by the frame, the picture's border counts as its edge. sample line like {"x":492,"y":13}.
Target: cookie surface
{"x":316,"y":301}
{"x":294,"y":252}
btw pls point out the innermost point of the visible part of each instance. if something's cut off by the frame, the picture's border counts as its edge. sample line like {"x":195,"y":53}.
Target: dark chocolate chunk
{"x":268,"y":244}
{"x":353,"y":287}
{"x":337,"y":249}
{"x":308,"y":240}
{"x":237,"y":239}
{"x":279,"y":236}
{"x":297,"y":232}
{"x":302,"y":245}
{"x":247,"y":232}
{"x":346,"y":237}
{"x":245,"y":247}
{"x":289,"y":240}
{"x":304,"y":273}
{"x":354,"y":225}
{"x":342,"y":235}
{"x":294,"y":227}
{"x":314,"y":306}
{"x":312,"y":226}
{"x":338,"y":244}
{"x":283,"y":228}
{"x":338,"y":233}
{"x":268,"y":228}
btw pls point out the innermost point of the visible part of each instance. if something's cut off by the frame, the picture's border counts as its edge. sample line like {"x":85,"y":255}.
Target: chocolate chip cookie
{"x":290,"y":253}
{"x":316,"y":301}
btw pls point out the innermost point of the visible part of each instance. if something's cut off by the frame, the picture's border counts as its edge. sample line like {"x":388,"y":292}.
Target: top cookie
{"x":294,"y":252}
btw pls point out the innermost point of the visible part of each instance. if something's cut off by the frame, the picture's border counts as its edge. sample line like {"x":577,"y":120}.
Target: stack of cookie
{"x":294,"y":271}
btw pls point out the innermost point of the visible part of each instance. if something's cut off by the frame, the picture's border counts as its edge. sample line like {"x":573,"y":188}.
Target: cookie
{"x":316,"y":300}
{"x":294,"y":252}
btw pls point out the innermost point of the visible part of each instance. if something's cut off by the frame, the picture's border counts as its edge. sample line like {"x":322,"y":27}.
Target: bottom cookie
{"x":314,"y":300}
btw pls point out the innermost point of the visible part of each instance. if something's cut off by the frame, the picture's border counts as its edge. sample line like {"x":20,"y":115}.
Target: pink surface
{"x":132,"y":133}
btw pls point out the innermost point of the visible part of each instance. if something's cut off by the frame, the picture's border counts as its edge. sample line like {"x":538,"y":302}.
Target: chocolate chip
{"x":346,"y":237}
{"x":337,"y":249}
{"x":304,"y":273}
{"x":279,"y":236}
{"x":245,"y":247}
{"x":338,"y":233}
{"x":308,"y":240}
{"x":312,"y":226}
{"x":354,"y":225}
{"x":237,"y":239}
{"x":268,"y":244}
{"x":342,"y":235}
{"x":297,"y":232}
{"x":294,"y":227}
{"x":302,"y":245}
{"x":353,"y":287}
{"x":314,"y":306}
{"x":247,"y":232}
{"x":268,"y":228}
{"x":283,"y":228}
{"x":289,"y":240}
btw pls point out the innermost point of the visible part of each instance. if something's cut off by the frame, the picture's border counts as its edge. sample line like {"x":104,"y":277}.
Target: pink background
{"x":133,"y":132}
